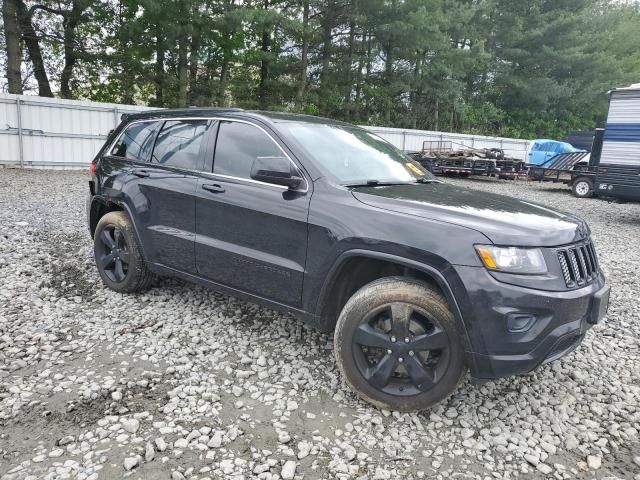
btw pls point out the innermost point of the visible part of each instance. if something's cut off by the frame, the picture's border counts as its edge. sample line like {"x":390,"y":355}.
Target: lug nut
{"x":389,"y":351}
{"x":401,"y":360}
{"x":411,"y":354}
{"x":393,"y":339}
{"x":406,"y":339}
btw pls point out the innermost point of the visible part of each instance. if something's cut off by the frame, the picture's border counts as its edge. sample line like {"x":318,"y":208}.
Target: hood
{"x":504,"y":220}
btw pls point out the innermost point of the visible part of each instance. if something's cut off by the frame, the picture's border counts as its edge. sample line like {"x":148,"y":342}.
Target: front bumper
{"x":557,"y":322}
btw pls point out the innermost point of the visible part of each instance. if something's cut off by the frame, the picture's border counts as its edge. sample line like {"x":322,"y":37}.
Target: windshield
{"x":353,"y":155}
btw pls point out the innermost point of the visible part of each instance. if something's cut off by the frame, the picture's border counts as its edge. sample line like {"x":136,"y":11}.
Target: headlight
{"x":512,"y":259}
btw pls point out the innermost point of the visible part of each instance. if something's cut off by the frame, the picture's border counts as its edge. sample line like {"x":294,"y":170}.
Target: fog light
{"x":520,"y":322}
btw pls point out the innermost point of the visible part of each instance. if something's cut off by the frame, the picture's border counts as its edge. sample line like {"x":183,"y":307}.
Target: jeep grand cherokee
{"x":420,"y":280}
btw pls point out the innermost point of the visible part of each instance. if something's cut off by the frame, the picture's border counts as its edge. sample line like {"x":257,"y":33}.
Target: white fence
{"x":54,"y":133}
{"x":39,"y":132}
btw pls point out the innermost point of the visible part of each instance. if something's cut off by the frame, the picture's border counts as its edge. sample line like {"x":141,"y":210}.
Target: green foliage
{"x":539,"y":68}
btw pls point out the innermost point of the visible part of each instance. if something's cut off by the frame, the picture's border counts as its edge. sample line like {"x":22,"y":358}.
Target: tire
{"x":582,"y":187}
{"x":435,"y":374}
{"x":115,"y":242}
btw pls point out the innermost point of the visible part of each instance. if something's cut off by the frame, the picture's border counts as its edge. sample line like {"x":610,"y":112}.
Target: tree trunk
{"x":415,"y":91}
{"x":159,"y":68}
{"x":388,"y":75}
{"x":224,"y":74}
{"x":193,"y":65}
{"x":349,"y":70}
{"x":436,"y":116}
{"x":183,"y":70}
{"x":184,"y":31}
{"x":368,"y":74}
{"x":265,"y":65}
{"x":14,"y":47}
{"x":32,"y":43}
{"x":305,"y":52}
{"x":326,"y":56}
{"x":363,"y":51}
{"x":69,"y":24}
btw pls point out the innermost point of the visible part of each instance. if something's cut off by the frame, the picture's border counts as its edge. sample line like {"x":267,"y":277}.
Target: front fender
{"x":445,"y":277}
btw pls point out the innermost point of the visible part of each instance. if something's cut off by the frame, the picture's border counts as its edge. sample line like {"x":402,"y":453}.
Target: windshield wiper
{"x":425,"y":180}
{"x":378,"y":183}
{"x":367,"y":183}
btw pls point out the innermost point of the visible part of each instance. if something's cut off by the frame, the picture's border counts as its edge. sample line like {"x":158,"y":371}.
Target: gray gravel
{"x":185,"y":383}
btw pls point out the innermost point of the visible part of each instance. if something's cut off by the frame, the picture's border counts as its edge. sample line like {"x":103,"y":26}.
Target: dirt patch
{"x":70,"y":281}
{"x":45,"y":424}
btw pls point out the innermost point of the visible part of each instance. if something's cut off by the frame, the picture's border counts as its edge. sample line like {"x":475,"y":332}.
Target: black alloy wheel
{"x":115,"y":254}
{"x":398,"y":346}
{"x":400,"y":349}
{"x":118,"y":255}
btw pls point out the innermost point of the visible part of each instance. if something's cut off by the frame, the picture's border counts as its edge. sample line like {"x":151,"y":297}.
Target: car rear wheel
{"x":582,"y":187}
{"x":397,"y":346}
{"x":117,"y":255}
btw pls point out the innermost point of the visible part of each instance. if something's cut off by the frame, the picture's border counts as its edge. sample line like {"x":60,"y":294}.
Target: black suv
{"x":419,"y":279}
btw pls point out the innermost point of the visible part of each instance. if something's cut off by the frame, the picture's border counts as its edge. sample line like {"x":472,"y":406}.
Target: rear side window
{"x":238,"y":145}
{"x":136,"y":142}
{"x":178,"y":144}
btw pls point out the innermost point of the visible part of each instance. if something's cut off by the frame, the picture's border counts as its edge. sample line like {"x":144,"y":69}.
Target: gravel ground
{"x":182,"y":382}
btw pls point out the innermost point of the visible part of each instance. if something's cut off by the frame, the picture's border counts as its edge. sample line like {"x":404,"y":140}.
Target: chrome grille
{"x":578,"y":263}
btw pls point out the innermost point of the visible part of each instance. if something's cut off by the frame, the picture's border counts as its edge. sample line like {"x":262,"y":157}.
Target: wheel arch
{"x":368,"y":266}
{"x":100,"y":206}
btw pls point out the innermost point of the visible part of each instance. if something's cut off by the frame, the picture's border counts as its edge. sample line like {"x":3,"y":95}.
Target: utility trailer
{"x":613,"y":169}
{"x":442,"y":158}
{"x":562,"y":168}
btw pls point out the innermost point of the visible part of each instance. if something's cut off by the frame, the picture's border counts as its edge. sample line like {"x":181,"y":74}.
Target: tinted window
{"x":238,"y":145}
{"x":178,"y":144}
{"x":136,"y":142}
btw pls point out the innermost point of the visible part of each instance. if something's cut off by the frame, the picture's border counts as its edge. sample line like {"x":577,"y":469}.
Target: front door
{"x":250,"y":235}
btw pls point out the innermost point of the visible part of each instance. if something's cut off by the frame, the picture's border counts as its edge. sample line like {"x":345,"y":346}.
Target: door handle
{"x":141,"y":173}
{"x":213,"y":188}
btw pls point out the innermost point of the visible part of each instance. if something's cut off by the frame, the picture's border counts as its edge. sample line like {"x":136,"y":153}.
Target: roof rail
{"x":226,"y":109}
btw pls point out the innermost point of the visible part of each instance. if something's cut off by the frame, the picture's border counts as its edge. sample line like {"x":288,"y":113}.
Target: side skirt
{"x":306,"y":317}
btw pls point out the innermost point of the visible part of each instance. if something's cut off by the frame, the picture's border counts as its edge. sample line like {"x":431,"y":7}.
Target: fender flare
{"x":425,"y":268}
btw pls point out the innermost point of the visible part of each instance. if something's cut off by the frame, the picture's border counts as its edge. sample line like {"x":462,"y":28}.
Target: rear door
{"x":250,"y":235}
{"x":162,"y":192}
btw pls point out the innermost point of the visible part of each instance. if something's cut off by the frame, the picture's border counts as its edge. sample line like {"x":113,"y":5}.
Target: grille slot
{"x":578,"y":263}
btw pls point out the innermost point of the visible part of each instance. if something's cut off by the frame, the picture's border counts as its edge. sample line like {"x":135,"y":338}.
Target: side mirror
{"x":276,"y":170}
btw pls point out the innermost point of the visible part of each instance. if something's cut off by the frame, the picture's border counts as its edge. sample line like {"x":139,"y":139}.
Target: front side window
{"x":547,"y":147}
{"x":354,"y":155}
{"x":178,"y":144}
{"x":136,"y":142}
{"x":237,"y":147}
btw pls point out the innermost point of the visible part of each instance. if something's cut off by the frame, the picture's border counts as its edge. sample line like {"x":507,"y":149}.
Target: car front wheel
{"x":397,"y":346}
